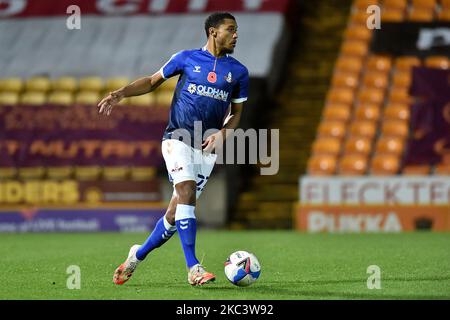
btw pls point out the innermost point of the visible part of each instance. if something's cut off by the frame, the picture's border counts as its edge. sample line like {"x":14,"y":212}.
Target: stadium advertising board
{"x":372,"y":218}
{"x":430,"y":117}
{"x":373,"y":204}
{"x":80,"y":219}
{"x":53,"y":135}
{"x":412,"y":38}
{"x":79,"y":206}
{"x":73,"y":192}
{"x":29,"y":8}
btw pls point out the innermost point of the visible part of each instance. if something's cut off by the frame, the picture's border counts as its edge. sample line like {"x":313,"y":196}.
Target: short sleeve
{"x":240,"y":90}
{"x":174,"y":66}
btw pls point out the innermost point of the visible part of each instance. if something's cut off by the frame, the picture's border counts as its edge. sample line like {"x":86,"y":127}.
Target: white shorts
{"x":185,"y":163}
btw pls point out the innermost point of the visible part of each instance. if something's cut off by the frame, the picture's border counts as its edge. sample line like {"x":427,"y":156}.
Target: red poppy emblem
{"x":212,"y":77}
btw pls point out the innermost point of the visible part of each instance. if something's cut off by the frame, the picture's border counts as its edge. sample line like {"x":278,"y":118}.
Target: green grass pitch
{"x":294,"y":266}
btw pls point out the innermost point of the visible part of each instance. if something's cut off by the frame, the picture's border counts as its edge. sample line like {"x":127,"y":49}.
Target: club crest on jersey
{"x":196,"y":69}
{"x":229,"y":78}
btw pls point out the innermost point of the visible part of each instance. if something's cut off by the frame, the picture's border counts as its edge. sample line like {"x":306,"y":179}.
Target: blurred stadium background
{"x":363,"y":115}
{"x":364,"y":120}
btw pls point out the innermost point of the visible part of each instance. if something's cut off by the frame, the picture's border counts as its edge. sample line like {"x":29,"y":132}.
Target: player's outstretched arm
{"x":140,"y":86}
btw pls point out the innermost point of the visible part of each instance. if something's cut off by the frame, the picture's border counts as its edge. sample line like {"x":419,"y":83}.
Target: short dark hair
{"x":214,"y":20}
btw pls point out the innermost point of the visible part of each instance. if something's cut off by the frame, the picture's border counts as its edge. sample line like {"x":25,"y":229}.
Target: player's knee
{"x":186,"y":192}
{"x":170,"y":216}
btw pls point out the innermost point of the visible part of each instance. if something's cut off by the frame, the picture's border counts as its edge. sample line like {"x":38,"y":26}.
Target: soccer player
{"x":210,"y":91}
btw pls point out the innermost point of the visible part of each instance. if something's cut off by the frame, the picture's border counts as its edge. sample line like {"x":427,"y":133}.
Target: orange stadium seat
{"x":405,"y":63}
{"x":401,"y":79}
{"x":332,"y":129}
{"x":379,"y":63}
{"x":400,"y":95}
{"x":444,"y":15}
{"x":445,"y":4}
{"x":442,"y":169}
{"x":354,"y":48}
{"x":392,"y":128}
{"x":321,"y":165}
{"x":358,"y":32}
{"x":361,"y":5}
{"x":392,"y":15}
{"x":12,"y":84}
{"x":345,"y":79}
{"x":375,"y":79}
{"x":371,"y":95}
{"x":326,"y":145}
{"x":340,"y":95}
{"x":425,"y":4}
{"x":358,"y":18}
{"x":396,"y":111}
{"x":384,"y":164}
{"x":68,"y":84}
{"x":367,"y":111}
{"x":359,"y":145}
{"x":395,"y":4}
{"x":416,"y":170}
{"x":339,"y":112}
{"x":9,"y":98}
{"x":390,"y":145}
{"x":353,"y":164}
{"x":363,"y":129}
{"x":421,"y":15}
{"x":441,"y":62}
{"x":348,"y":64}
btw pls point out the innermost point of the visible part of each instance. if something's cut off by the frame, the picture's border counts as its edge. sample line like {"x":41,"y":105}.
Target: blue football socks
{"x":163,"y":231}
{"x":187,"y":229}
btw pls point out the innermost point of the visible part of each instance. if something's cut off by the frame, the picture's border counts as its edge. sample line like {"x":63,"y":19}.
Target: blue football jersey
{"x":205,"y":88}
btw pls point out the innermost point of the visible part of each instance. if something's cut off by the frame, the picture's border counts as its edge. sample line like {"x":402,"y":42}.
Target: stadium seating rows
{"x":365,"y":122}
{"x":403,"y":10}
{"x":69,"y":90}
{"x":66,"y":91}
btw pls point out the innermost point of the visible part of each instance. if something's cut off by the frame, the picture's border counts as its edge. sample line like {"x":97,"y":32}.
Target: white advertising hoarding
{"x":404,"y":190}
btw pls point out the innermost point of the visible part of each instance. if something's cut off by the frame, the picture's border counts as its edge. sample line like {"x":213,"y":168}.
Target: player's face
{"x":227,"y":35}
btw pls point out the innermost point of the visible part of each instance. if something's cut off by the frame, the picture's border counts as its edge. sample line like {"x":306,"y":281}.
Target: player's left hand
{"x":213,"y":142}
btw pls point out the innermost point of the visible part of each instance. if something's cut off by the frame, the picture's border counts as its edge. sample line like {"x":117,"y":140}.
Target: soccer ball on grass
{"x":242,"y":268}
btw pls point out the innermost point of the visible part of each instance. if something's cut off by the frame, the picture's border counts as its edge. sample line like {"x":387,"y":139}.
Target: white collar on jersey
{"x":204,"y":49}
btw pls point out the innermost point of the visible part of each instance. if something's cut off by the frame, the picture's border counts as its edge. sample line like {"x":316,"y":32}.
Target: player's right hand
{"x":109,"y":102}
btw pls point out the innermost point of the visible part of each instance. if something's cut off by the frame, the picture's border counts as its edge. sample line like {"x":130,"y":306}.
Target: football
{"x":242,"y":268}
